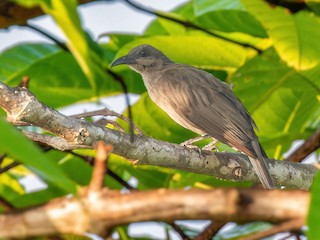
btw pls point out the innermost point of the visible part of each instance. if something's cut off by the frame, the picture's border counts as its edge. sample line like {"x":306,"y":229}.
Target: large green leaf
{"x":200,"y":50}
{"x":10,"y":188}
{"x":83,"y":173}
{"x":37,"y":197}
{"x":84,"y":49}
{"x":17,"y":60}
{"x":54,"y":83}
{"x":263,"y":75}
{"x":293,"y":35}
{"x":314,"y":5}
{"x":314,"y":213}
{"x":161,"y":26}
{"x":28,"y":154}
{"x":226,"y":16}
{"x":281,"y":114}
{"x":277,"y":96}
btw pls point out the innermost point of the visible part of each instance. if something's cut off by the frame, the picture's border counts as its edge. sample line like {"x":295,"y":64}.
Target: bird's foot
{"x":211,"y":146}
{"x":189,"y":142}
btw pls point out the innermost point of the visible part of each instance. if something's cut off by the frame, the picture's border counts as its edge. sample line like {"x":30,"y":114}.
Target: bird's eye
{"x":142,"y":53}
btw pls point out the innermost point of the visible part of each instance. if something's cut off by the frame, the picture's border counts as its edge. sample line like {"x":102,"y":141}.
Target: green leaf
{"x":28,"y":154}
{"x":83,"y":173}
{"x":293,"y":35}
{"x":164,"y":27}
{"x":313,"y":218}
{"x":83,"y":48}
{"x":10,"y":188}
{"x":226,"y":16}
{"x":161,"y":26}
{"x":204,"y":6}
{"x":38,"y":197}
{"x":51,"y":81}
{"x":16,"y":61}
{"x":149,"y":177}
{"x":314,"y":5}
{"x":276,"y":96}
{"x":200,"y":51}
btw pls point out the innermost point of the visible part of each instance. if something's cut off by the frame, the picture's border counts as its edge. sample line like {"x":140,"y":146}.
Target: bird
{"x":200,"y":102}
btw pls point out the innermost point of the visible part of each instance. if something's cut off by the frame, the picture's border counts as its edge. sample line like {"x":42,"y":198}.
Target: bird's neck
{"x":153,"y":68}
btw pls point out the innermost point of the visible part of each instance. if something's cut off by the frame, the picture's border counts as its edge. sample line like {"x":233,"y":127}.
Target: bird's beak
{"x":121,"y":60}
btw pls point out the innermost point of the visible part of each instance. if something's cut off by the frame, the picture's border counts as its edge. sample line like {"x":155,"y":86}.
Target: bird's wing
{"x":211,"y":106}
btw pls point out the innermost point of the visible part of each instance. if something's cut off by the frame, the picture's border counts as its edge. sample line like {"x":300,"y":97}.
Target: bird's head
{"x":143,"y":58}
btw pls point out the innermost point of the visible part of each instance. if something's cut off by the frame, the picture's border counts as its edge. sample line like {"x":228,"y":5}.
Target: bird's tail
{"x":260,"y":166}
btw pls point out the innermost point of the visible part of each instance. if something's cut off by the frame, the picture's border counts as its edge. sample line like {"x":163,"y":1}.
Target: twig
{"x":108,"y":112}
{"x":52,"y":141}
{"x":293,"y":5}
{"x":102,"y":153}
{"x":24,"y":82}
{"x":292,"y":224}
{"x":105,"y":122}
{"x":210,"y":230}
{"x":111,"y":173}
{"x":185,"y":23}
{"x":9,"y":166}
{"x":119,"y":78}
{"x":7,"y":207}
{"x":120,"y":180}
{"x":2,"y":157}
{"x":179,"y":231}
{"x":48,"y":35}
{"x":309,"y":146}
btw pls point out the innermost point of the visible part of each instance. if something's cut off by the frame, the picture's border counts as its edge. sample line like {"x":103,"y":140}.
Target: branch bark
{"x":308,"y":147}
{"x":22,"y":106}
{"x":111,"y":208}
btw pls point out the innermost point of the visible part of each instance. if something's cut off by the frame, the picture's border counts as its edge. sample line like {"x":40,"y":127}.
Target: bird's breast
{"x":172,"y":100}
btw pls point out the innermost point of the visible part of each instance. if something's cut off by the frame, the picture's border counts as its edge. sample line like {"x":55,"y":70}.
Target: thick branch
{"x":111,"y":209}
{"x":21,"y":105}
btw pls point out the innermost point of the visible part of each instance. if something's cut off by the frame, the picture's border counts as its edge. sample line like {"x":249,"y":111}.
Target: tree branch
{"x":308,"y":147}
{"x":111,"y":208}
{"x":99,"y":169}
{"x":211,"y":230}
{"x":21,"y":105}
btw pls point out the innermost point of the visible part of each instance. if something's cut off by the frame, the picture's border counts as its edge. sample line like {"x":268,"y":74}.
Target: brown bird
{"x":199,"y":102}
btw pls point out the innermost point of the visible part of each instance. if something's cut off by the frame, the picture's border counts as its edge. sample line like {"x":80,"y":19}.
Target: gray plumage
{"x":199,"y":102}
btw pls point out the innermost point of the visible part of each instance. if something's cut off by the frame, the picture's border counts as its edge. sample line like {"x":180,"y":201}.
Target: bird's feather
{"x":208,"y":105}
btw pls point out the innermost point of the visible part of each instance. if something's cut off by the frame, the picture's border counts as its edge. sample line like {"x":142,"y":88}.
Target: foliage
{"x":279,"y":85}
